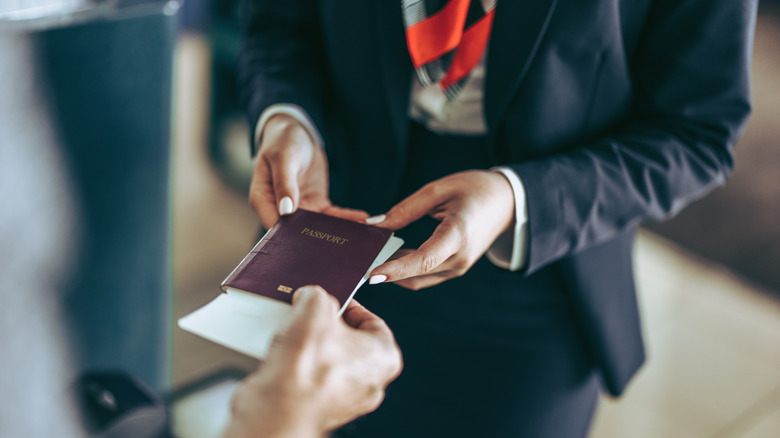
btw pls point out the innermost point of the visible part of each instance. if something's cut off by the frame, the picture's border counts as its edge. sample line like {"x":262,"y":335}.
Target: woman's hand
{"x":291,"y":172}
{"x":474,"y":208}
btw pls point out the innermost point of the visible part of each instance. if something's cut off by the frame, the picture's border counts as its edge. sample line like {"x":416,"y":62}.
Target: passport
{"x":304,"y":248}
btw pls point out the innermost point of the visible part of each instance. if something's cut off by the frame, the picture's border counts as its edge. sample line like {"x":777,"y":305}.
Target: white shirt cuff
{"x":294,"y":111}
{"x":510,"y":249}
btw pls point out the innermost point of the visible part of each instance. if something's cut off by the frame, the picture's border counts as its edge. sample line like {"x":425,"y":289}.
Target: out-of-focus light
{"x":35,"y":9}
{"x":31,"y":15}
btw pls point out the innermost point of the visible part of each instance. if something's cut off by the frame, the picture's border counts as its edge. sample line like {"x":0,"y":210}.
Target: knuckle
{"x":395,"y":364}
{"x":377,"y":396}
{"x":459,"y":272}
{"x":404,"y":268}
{"x":399,"y":363}
{"x":273,"y":153}
{"x":268,"y":157}
{"x":278,"y":340}
{"x":400,"y":211}
{"x":460,"y":265}
{"x":414,"y":285}
{"x":430,"y":190}
{"x":428,"y":263}
{"x":323,"y":301}
{"x":458,"y":225}
{"x":372,"y":398}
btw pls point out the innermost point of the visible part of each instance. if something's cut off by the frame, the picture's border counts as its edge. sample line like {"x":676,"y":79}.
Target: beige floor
{"x":713,"y":340}
{"x":213,"y":227}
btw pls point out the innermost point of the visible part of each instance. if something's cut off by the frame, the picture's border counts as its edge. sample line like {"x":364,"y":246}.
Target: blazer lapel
{"x":518,"y":28}
{"x":395,"y":65}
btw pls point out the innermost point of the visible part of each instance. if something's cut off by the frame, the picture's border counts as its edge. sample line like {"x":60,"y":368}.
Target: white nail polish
{"x":377,"y":279}
{"x":285,"y":206}
{"x":373,"y":220}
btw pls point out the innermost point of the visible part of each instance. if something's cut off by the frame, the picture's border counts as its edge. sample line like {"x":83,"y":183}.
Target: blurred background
{"x":140,"y":98}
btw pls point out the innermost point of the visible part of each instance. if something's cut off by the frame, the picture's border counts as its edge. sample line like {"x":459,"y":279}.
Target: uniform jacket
{"x":610,"y":111}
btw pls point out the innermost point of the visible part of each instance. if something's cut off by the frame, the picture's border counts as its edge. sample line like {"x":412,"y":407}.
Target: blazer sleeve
{"x":281,"y":59}
{"x":690,"y":76}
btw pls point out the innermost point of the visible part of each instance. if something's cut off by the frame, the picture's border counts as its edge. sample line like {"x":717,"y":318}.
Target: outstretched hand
{"x":291,"y":172}
{"x":321,"y":371}
{"x":474,"y":208}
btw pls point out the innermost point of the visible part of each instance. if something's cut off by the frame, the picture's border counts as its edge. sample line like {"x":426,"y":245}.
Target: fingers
{"x":433,"y":199}
{"x":313,"y":309}
{"x":425,"y":281}
{"x":474,"y":207}
{"x":261,"y":195}
{"x":400,"y":253}
{"x":434,"y":256}
{"x":274,"y":190}
{"x":422,"y":202}
{"x":314,"y":301}
{"x":388,"y":356}
{"x":285,"y":169}
{"x":346,"y":213}
{"x":360,"y":318}
{"x":285,"y":153}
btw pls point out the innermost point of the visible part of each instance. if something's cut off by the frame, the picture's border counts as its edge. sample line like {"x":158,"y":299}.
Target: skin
{"x":474,"y":207}
{"x":290,"y":165}
{"x":322,"y":371}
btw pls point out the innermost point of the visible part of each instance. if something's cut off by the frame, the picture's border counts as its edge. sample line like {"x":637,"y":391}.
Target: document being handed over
{"x":304,"y":248}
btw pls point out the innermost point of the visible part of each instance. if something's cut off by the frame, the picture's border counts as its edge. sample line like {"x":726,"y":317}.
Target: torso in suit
{"x":611,"y":112}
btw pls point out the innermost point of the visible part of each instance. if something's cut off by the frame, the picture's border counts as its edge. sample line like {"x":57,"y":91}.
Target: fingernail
{"x":373,"y":220}
{"x":375,"y":279}
{"x":285,"y":206}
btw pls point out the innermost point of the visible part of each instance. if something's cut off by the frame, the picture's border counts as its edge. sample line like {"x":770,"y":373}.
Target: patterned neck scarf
{"x":446,"y":39}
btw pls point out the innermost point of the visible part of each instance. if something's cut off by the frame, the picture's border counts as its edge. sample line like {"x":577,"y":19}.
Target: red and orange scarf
{"x":446,"y":39}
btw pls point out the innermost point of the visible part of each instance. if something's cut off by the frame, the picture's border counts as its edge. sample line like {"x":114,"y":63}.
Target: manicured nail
{"x":285,"y":206}
{"x":375,"y":279}
{"x":373,"y":220}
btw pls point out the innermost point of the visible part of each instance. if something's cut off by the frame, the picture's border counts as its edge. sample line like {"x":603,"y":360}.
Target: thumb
{"x":312,"y":310}
{"x":285,"y":169}
{"x":287,"y":150}
{"x":312,"y":305}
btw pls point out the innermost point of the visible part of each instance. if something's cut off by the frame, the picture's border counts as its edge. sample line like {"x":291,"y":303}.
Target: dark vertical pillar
{"x":109,"y":83}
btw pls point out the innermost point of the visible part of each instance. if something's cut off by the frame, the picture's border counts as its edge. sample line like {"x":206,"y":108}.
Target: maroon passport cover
{"x":309,"y":248}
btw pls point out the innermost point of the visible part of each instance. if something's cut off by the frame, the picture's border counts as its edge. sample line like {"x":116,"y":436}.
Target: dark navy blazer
{"x":610,"y":111}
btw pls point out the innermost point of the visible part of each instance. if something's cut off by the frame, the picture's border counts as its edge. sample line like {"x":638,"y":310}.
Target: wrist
{"x":290,"y":110}
{"x":281,"y":120}
{"x":282,"y":123}
{"x":284,"y":129}
{"x":507,"y":203}
{"x":275,"y":408}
